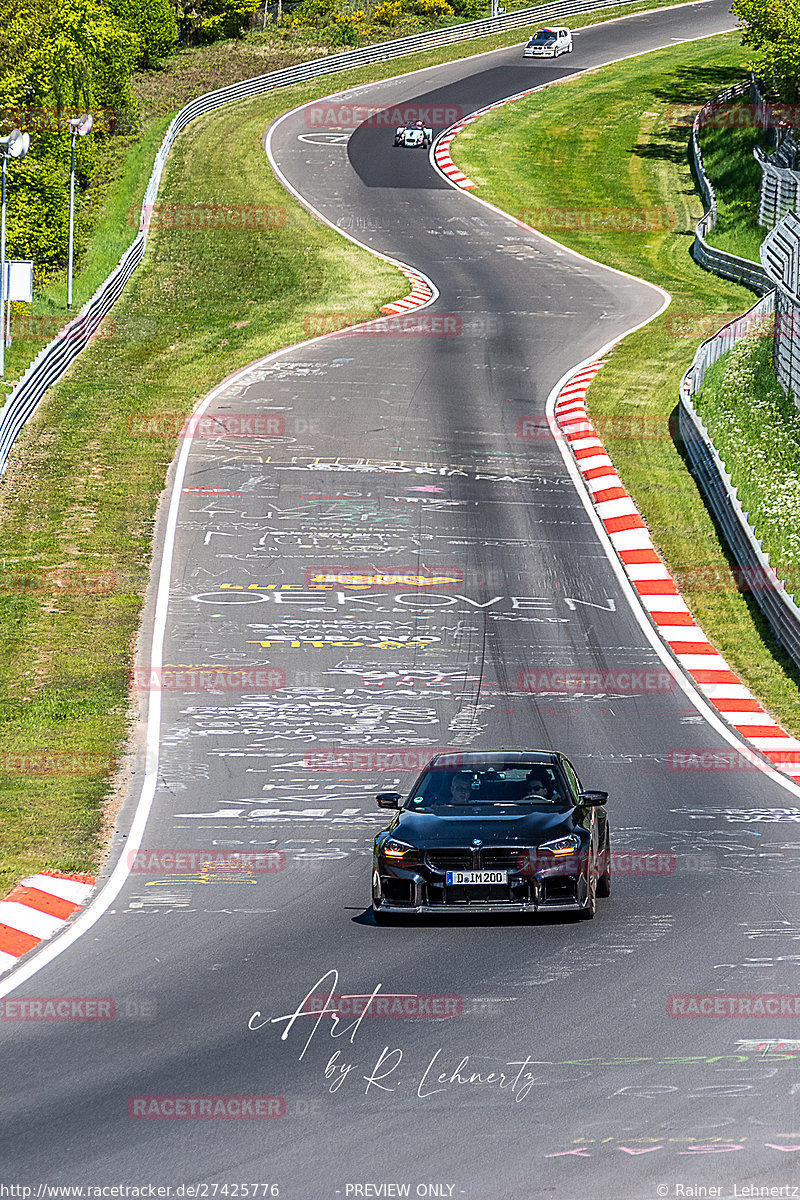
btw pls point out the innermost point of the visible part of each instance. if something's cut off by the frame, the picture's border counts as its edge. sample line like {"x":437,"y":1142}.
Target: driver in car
{"x":538,"y":788}
{"x":460,"y":790}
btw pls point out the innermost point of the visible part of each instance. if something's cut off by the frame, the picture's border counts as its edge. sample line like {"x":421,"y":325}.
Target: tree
{"x":155,"y":25}
{"x":202,"y":21}
{"x":56,"y":60}
{"x":772,"y":29}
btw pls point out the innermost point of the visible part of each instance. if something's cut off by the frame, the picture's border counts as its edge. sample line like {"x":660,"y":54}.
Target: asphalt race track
{"x":401,"y":454}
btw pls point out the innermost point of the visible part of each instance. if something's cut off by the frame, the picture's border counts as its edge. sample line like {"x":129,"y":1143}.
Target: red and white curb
{"x":441,"y":155}
{"x":421,"y":293}
{"x":36,"y":909}
{"x":656,"y":588}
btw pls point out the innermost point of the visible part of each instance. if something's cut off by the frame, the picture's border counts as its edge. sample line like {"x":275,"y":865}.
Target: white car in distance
{"x":549,"y":43}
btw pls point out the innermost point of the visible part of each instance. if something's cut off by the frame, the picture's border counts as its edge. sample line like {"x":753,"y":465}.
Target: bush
{"x":388,"y":13}
{"x":203,"y":21}
{"x":470,"y":10}
{"x":430,"y":9}
{"x":77,"y":55}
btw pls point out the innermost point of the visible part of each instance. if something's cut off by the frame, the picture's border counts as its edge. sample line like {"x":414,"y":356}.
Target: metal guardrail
{"x":54,"y":359}
{"x":759,"y":578}
{"x":720,"y":262}
{"x":716,"y":486}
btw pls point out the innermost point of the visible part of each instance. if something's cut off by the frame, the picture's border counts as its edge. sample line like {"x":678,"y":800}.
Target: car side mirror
{"x":389,"y":799}
{"x":593,"y":798}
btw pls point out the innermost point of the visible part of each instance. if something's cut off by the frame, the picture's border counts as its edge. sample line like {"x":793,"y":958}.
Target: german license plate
{"x":466,"y":878}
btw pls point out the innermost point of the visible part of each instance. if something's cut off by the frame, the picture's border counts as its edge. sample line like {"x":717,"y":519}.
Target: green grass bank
{"x":608,"y":141}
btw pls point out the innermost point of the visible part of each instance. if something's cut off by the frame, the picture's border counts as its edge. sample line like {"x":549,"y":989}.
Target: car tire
{"x":587,"y":913}
{"x":604,"y":881}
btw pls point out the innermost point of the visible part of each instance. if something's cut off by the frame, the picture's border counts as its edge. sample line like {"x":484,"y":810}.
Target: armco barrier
{"x":730,"y":266}
{"x":715,"y":483}
{"x":51,"y":362}
{"x":779,"y":608}
{"x":779,"y":255}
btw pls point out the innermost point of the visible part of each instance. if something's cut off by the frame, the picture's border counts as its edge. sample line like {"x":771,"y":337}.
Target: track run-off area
{"x":503,"y":1057}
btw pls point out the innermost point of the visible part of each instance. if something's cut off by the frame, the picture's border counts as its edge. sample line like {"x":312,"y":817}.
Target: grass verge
{"x":727,"y":145}
{"x":756,"y":430}
{"x":607,"y":141}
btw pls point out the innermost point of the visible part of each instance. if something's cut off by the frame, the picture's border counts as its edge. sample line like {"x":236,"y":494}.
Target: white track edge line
{"x":111,"y":888}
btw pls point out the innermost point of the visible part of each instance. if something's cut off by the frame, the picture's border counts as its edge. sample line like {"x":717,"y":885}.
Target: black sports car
{"x":508,"y":831}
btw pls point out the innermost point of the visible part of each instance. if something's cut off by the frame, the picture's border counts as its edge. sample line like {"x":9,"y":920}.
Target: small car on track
{"x":507,"y":831}
{"x":412,"y":137}
{"x":549,"y":43}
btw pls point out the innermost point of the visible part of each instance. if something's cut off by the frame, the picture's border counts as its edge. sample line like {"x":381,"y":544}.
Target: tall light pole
{"x":13,"y":145}
{"x":80,"y":127}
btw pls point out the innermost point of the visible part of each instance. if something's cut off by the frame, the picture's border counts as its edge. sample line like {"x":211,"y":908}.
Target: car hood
{"x":429,"y":830}
{"x":543,"y":44}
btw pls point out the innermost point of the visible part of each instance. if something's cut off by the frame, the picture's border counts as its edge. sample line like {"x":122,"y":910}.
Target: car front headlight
{"x":394,"y":849}
{"x":561,"y":847}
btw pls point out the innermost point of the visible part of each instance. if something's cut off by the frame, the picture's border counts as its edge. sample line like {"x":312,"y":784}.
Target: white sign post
{"x":17,"y":285}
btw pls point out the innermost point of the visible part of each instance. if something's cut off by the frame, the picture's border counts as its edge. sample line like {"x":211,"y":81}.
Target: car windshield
{"x":496,"y":785}
{"x":543,"y":36}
